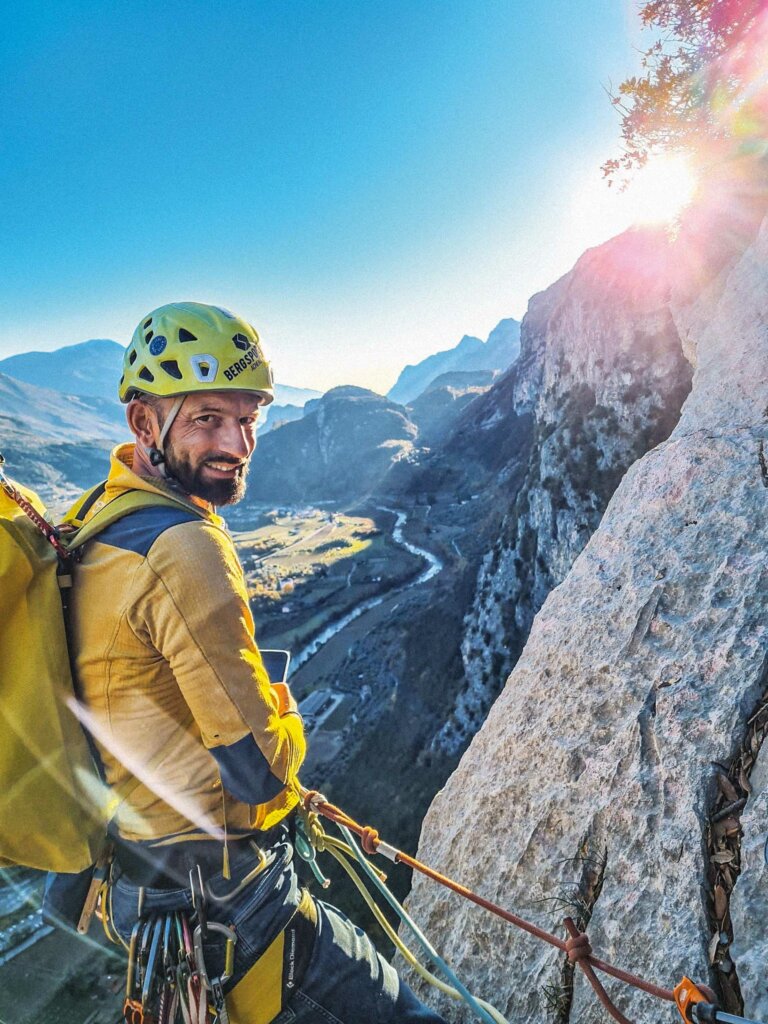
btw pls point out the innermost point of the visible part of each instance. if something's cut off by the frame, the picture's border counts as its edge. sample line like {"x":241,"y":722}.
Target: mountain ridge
{"x":498,"y":352}
{"x":83,"y":368}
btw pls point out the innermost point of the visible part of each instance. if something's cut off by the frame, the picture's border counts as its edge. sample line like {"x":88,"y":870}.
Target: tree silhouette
{"x":700,"y":90}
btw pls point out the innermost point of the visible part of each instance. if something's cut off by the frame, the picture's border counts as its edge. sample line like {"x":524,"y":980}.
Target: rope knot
{"x":578,"y":948}
{"x":313,"y":797}
{"x":369,"y":840}
{"x":315,"y":831}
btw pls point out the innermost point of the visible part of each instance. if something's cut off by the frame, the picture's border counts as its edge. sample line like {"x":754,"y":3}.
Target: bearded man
{"x":199,"y":748}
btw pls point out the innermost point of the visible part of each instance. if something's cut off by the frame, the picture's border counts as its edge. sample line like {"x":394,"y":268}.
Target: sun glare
{"x":661,"y":190}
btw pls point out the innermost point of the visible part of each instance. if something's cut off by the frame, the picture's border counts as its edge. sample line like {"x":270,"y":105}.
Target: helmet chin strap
{"x":156,"y":455}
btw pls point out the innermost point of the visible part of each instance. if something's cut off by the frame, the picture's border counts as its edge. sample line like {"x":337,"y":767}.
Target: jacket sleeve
{"x":198,"y":619}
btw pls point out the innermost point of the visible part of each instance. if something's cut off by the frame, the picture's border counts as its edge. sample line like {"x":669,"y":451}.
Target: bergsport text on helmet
{"x":185,"y":347}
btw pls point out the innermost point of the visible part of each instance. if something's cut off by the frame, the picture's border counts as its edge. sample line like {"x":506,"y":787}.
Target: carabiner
{"x":152,"y":959}
{"x":131,"y":975}
{"x":229,"y":955}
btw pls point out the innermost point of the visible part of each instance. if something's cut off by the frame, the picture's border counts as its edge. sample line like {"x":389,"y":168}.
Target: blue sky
{"x":366,"y":181}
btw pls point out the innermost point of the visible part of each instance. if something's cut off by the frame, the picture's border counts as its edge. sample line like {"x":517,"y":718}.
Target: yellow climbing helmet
{"x":189,"y":346}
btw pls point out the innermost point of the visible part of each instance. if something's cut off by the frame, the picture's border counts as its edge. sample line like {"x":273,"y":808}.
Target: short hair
{"x":154,"y":402}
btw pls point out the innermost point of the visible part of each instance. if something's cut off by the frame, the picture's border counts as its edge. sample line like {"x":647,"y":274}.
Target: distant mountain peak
{"x":497,"y":353}
{"x":90,"y":368}
{"x":93,"y":368}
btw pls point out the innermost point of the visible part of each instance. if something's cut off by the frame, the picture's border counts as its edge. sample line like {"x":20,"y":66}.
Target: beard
{"x":191,"y":479}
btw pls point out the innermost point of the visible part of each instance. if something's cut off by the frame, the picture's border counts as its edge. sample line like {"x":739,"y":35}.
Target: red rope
{"x":577,"y":947}
{"x":48,"y":531}
{"x":580,"y":952}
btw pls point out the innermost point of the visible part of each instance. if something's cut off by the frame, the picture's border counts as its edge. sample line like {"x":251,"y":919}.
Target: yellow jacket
{"x":175,"y":695}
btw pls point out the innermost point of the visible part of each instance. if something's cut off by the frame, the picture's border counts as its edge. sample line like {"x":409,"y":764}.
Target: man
{"x":200,"y":750}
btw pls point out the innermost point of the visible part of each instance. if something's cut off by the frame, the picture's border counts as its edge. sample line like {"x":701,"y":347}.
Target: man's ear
{"x":142,"y":420}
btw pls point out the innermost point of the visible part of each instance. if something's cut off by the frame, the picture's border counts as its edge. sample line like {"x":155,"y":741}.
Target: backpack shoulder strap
{"x":122,"y":505}
{"x":76,"y":515}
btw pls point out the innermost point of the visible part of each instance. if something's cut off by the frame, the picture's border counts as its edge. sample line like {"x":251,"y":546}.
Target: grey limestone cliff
{"x":603,"y":375}
{"x":590,"y":788}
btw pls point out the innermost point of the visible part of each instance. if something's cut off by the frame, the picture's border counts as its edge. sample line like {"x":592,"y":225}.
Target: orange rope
{"x":577,"y":946}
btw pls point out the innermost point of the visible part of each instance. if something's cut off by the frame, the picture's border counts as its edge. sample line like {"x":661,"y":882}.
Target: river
{"x":433,"y":567}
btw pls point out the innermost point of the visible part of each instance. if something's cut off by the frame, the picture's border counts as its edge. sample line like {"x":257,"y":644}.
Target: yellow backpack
{"x":54,"y":807}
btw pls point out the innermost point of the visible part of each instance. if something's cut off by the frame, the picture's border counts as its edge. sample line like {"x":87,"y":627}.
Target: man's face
{"x":210,"y":443}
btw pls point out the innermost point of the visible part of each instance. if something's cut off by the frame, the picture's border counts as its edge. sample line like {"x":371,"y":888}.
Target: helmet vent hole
{"x":145,"y":374}
{"x":132,"y":357}
{"x":147,"y":323}
{"x":185,"y":335}
{"x":148,"y":336}
{"x":171,"y":367}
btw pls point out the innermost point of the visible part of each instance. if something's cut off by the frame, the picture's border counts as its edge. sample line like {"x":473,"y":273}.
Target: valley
{"x":308,"y":567}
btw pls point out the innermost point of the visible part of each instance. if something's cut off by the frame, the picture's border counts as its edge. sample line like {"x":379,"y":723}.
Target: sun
{"x":661,"y":190}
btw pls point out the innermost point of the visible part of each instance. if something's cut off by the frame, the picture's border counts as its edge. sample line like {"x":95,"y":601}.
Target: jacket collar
{"x":122,"y":478}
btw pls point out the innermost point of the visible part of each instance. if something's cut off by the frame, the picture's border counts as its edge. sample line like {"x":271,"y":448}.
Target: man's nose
{"x":237,"y":440}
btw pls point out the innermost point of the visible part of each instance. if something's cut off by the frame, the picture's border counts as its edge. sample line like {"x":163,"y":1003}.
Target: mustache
{"x":226,"y":458}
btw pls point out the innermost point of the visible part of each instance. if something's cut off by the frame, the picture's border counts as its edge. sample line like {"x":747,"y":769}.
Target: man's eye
{"x":204,"y":419}
{"x":249,"y":421}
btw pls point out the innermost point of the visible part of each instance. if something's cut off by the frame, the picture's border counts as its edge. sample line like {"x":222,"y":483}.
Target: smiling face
{"x":208,"y":448}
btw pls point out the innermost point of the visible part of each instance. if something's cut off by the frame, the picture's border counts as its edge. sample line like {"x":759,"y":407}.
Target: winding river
{"x":432,"y":568}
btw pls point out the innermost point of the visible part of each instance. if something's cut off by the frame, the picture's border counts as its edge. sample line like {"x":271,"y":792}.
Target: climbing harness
{"x":696,"y":1003}
{"x":168,"y":980}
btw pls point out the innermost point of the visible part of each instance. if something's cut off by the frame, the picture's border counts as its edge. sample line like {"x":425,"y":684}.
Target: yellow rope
{"x":344,"y":855}
{"x":112,"y":934}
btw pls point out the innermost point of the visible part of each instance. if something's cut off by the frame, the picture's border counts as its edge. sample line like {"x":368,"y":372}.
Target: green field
{"x":307,"y":567}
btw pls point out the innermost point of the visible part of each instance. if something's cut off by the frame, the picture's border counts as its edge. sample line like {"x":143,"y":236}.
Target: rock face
{"x":344,"y":444}
{"x":603,"y":376}
{"x":589,"y":787}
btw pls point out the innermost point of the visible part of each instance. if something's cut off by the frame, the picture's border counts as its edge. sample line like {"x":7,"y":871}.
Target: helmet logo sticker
{"x":252,"y":359}
{"x":204,"y":367}
{"x":241,"y":342}
{"x":157,"y":345}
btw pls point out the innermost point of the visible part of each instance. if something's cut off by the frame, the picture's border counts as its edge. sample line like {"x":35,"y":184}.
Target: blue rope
{"x":405,"y":917}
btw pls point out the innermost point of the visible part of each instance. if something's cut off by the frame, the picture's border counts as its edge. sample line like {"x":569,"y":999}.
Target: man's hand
{"x":286,"y":703}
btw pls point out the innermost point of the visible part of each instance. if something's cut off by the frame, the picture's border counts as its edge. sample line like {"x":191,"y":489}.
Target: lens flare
{"x":661,"y":190}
